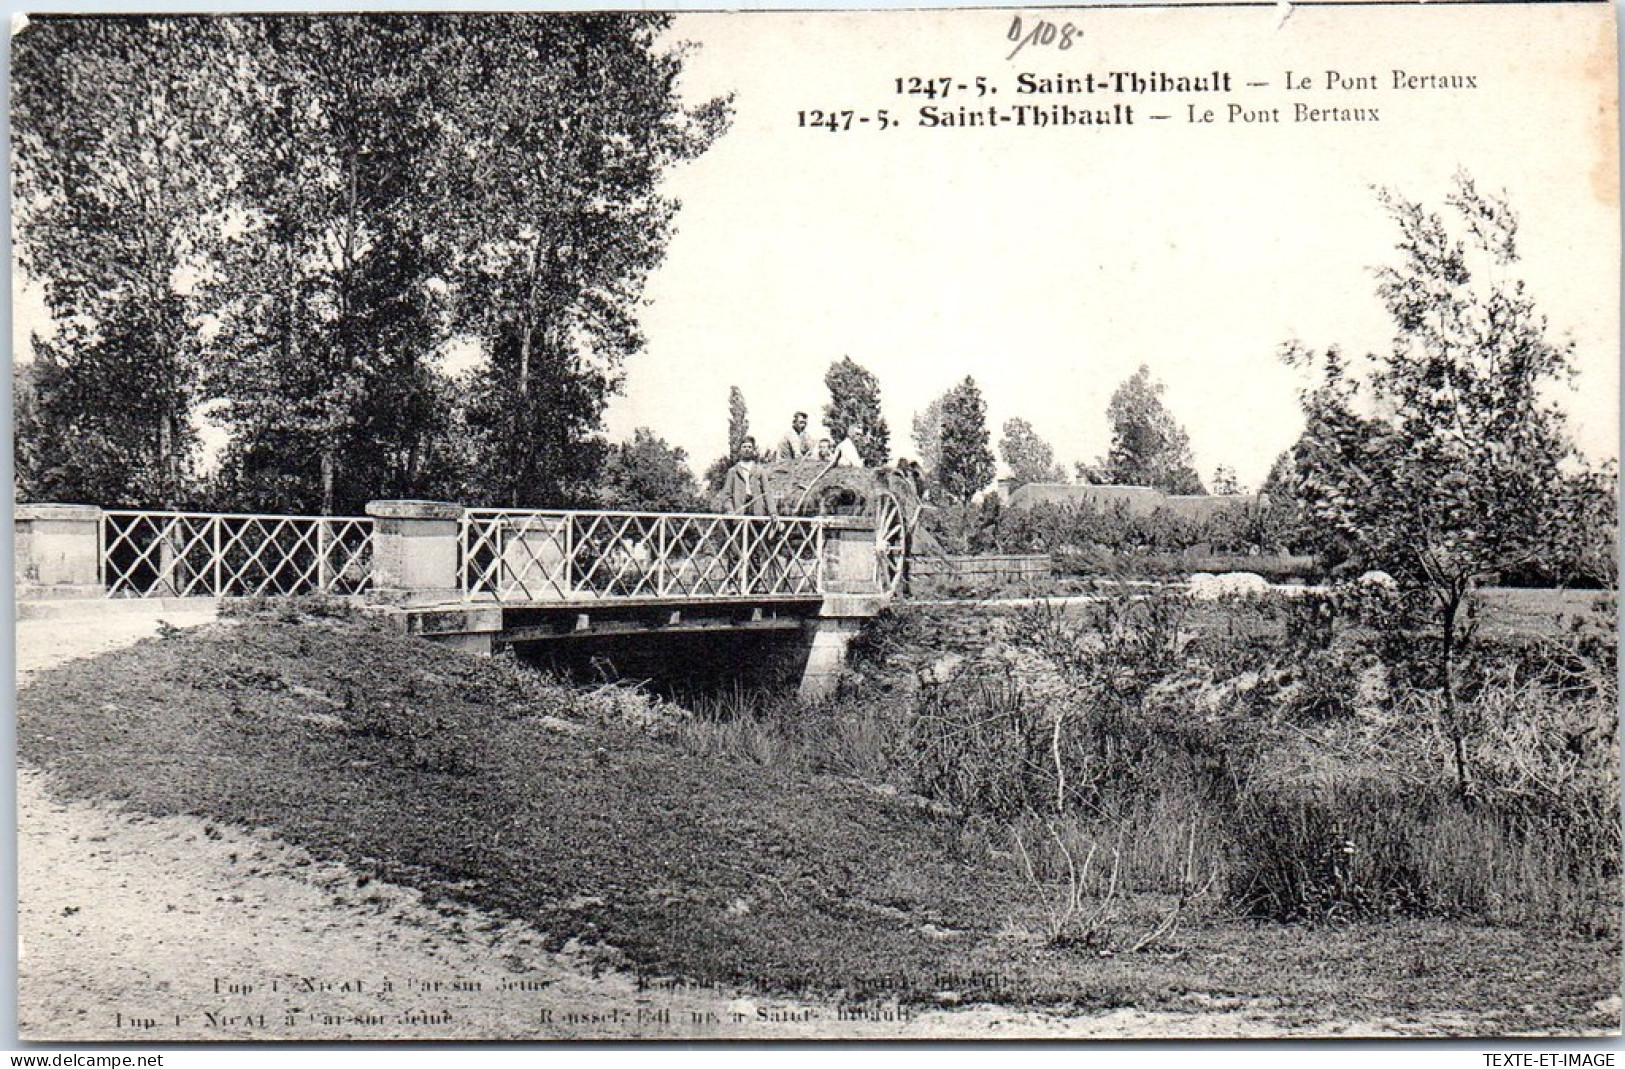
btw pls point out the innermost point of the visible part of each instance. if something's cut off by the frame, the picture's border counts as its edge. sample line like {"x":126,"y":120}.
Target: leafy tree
{"x":565,"y":125}
{"x":648,"y":474}
{"x":967,"y":460}
{"x":1030,"y":458}
{"x":1281,"y":524}
{"x":1148,"y":447}
{"x":1282,"y":477}
{"x":311,"y":208}
{"x":329,"y":312}
{"x":854,"y":400}
{"x":118,"y":199}
{"x":1224,"y":480}
{"x":1087,"y":473}
{"x":1441,"y":463}
{"x":927,"y":434}
{"x":1586,"y":549}
{"x":716,"y":473}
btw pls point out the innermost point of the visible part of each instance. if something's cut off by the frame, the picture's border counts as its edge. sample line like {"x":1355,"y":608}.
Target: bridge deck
{"x":535,"y":621}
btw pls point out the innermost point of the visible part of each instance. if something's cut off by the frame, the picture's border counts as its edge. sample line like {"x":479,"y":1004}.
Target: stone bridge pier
{"x":852,"y":595}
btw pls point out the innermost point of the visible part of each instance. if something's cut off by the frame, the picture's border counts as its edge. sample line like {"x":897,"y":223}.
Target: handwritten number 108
{"x":1043,"y":32}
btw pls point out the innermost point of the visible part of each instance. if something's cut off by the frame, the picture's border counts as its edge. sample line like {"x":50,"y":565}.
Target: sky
{"x":1049,"y":264}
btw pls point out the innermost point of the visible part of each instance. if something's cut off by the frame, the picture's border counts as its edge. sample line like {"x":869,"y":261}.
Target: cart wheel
{"x":891,"y":541}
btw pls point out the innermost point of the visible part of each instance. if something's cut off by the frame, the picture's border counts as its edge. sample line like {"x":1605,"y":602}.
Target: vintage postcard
{"x":1069,"y":523}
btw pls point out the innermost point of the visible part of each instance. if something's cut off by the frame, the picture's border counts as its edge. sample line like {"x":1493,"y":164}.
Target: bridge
{"x":490,"y":579}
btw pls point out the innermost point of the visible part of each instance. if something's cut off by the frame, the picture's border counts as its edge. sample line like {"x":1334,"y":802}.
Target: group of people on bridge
{"x":746,"y":490}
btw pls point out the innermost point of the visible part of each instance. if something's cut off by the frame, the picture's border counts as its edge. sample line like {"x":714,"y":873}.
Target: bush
{"x":976,"y":743}
{"x":1133,"y":564}
{"x":1328,"y":850}
{"x":1047,"y":527}
{"x":1323,"y":689}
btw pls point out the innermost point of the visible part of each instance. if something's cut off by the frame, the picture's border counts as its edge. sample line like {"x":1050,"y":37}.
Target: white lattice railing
{"x":522,"y":555}
{"x":199,"y":554}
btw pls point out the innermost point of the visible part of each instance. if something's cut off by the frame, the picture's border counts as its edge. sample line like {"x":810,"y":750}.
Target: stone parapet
{"x":57,"y":551}
{"x":414,"y":510}
{"x":849,"y":556}
{"x":414,"y":551}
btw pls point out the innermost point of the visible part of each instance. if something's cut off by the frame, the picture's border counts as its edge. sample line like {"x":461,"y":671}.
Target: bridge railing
{"x":432,"y":551}
{"x":537,"y":556}
{"x":198,"y":554}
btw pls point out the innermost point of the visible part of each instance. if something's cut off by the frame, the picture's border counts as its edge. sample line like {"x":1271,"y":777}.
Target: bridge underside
{"x":769,"y":639}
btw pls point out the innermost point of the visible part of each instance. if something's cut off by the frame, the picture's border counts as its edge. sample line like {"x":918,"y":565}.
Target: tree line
{"x":283,"y":225}
{"x":385,"y":256}
{"x":954,"y":444}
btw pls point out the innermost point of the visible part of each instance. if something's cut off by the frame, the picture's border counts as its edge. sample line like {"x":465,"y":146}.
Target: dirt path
{"x":165,"y":929}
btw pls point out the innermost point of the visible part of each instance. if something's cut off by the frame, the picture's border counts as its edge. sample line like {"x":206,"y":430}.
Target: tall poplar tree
{"x":967,"y":460}
{"x":313,"y":210}
{"x":565,"y":126}
{"x":854,"y":400}
{"x":738,"y":422}
{"x":328,"y":306}
{"x":118,"y":194}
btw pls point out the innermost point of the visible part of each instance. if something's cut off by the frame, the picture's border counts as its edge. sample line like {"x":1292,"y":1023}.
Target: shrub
{"x":1048,"y":527}
{"x":1326,"y":685}
{"x":1311,"y":620}
{"x":1137,"y":564}
{"x":1333,"y":849}
{"x":975,"y":742}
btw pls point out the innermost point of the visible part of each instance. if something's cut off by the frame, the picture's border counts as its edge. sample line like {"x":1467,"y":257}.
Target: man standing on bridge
{"x":744,"y":493}
{"x":744,"y":489}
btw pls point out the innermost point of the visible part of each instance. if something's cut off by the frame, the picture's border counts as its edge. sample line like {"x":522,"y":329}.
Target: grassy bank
{"x":778,"y":853}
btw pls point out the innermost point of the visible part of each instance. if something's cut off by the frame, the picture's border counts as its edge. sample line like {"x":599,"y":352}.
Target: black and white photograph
{"x":1081,"y":523}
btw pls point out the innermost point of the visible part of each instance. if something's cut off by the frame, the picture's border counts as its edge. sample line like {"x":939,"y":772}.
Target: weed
{"x":1085,"y":904}
{"x":974,"y":742}
{"x":1071,"y":924}
{"x":292,"y":608}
